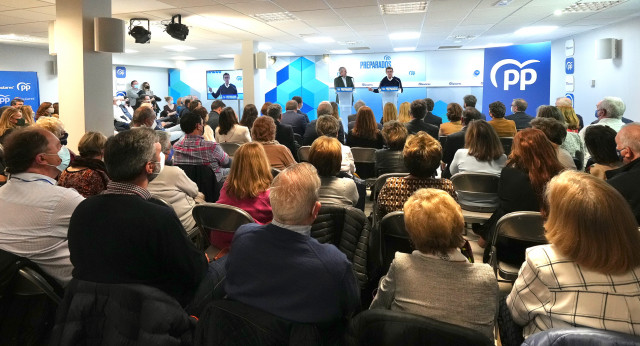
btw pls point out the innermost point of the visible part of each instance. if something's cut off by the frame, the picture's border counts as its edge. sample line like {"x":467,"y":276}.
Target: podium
{"x":345,"y":100}
{"x":389,"y":94}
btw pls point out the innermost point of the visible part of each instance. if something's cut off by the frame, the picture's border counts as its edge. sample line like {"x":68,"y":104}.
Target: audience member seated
{"x":390,"y":159}
{"x":422,"y":154}
{"x":422,"y":282}
{"x":326,"y":155}
{"x":418,"y":111}
{"x":404,"y":114}
{"x":193,"y":149}
{"x":327,"y":125}
{"x":169,"y":112}
{"x":174,"y":187}
{"x":310,"y":133}
{"x":55,"y":126}
{"x":214,"y":115}
{"x":625,"y":179}
{"x":143,"y":241}
{"x":431,"y":118}
{"x":121,"y":120}
{"x":365,"y":133}
{"x":291,"y":117}
{"x":569,"y":114}
{"x":249,"y":115}
{"x":265,"y":107}
{"x":45,"y":110}
{"x":36,"y":212}
{"x":532,"y":163}
{"x":567,"y":102}
{"x":144,"y":116}
{"x":585,"y":276}
{"x":264,"y":131}
{"x":454,"y":114}
{"x":572,"y":142}
{"x":284,"y":133}
{"x":601,"y":144}
{"x":455,"y":140}
{"x":504,"y":127}
{"x":483,"y":153}
{"x":556,"y":133}
{"x":522,"y":119}
{"x":229,"y":130}
{"x":356,"y":106}
{"x":609,"y":112}
{"x":280,"y":269}
{"x":87,"y":173}
{"x":27,"y":115}
{"x":208,"y":131}
{"x":389,"y":113}
{"x":10,"y":120}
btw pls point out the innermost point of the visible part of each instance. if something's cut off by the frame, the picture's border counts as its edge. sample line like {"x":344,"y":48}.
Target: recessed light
{"x":535,"y":30}
{"x":227,"y":56}
{"x":182,"y":57}
{"x":130,"y":51}
{"x":341,"y":51}
{"x":274,"y":16}
{"x":592,"y":6}
{"x":404,"y":35}
{"x":263,"y":46}
{"x":22,"y":38}
{"x":558,"y":12}
{"x":319,"y":39}
{"x":404,"y":7}
{"x":178,"y":48}
{"x":283,"y":54}
{"x":502,"y":3}
{"x":404,"y":49}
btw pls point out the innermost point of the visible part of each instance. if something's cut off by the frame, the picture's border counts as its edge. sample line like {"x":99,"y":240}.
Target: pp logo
{"x":386,"y":57}
{"x":5,"y":99}
{"x":569,"y":65}
{"x":22,"y":86}
{"x":525,"y":76}
{"x":412,"y":73}
{"x":121,"y":72}
{"x":238,"y":78}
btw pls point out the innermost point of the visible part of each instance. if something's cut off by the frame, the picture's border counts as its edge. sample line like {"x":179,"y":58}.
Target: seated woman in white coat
{"x":229,"y":130}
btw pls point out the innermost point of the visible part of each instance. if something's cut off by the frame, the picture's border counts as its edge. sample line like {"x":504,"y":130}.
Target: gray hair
{"x":127,"y":153}
{"x":291,"y":105}
{"x":629,"y":136}
{"x":275,"y":111}
{"x":327,"y":125}
{"x":613,"y":106}
{"x":164,"y":139}
{"x":298,"y":185}
{"x":324,"y":108}
{"x":358,"y":104}
{"x":342,"y":68}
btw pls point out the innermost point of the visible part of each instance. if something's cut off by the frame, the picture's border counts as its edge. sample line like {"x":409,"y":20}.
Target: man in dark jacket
{"x":418,"y":111}
{"x":284,"y":133}
{"x":431,"y":118}
{"x":522,"y":119}
{"x":310,"y":133}
{"x":298,"y":122}
{"x":214,"y":115}
{"x":626,"y":178}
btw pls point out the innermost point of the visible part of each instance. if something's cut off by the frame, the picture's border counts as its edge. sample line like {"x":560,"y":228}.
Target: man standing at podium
{"x":226,"y":88}
{"x":388,"y":81}
{"x":343,"y":81}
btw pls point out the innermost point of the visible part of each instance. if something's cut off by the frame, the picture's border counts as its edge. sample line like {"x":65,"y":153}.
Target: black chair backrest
{"x":394,"y":238}
{"x":206,"y":180}
{"x":303,"y":153}
{"x":298,"y":138}
{"x":580,"y":336}
{"x":365,"y":160}
{"x":229,"y":147}
{"x":385,"y":327}
{"x":507,"y":142}
{"x":442,"y":140}
{"x":478,"y":185}
{"x":220,"y":217}
{"x":30,"y":283}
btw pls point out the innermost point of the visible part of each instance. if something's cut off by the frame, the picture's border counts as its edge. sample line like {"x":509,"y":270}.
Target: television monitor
{"x":216,"y":88}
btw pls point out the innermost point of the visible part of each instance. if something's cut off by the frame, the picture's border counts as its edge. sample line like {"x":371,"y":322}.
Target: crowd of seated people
{"x":275,"y":264}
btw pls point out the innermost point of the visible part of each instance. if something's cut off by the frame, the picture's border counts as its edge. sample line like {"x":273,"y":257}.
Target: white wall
{"x":32,"y":59}
{"x":617,"y":77}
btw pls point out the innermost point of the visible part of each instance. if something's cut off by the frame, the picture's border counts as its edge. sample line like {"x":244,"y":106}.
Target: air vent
{"x":274,"y":17}
{"x":359,"y":48}
{"x":404,"y":7}
{"x":592,"y":6}
{"x":449,"y":47}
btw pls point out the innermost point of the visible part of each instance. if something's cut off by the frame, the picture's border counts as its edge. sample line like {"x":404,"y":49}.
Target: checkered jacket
{"x":195,"y":150}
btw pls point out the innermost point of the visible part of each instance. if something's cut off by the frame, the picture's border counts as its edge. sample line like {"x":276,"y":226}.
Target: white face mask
{"x":118,"y":103}
{"x":155,"y":173}
{"x":51,"y":110}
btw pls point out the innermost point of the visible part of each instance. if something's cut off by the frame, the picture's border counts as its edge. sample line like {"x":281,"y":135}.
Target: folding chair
{"x":365,"y":160}
{"x":229,"y":147}
{"x":219,"y":217}
{"x":480,"y":187}
{"x":303,"y":153}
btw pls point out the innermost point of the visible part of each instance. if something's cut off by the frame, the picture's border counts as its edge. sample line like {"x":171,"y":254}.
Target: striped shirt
{"x":195,"y":150}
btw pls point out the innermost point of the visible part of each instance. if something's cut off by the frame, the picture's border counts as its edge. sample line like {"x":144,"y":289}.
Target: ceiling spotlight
{"x":326,"y":57}
{"x":177,"y":30}
{"x":272,"y":59}
{"x":139,"y":33}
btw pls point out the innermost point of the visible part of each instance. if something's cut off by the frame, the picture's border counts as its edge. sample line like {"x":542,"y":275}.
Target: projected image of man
{"x":226,"y":88}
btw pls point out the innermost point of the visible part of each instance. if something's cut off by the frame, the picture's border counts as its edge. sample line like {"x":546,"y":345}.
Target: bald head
{"x":628,"y":142}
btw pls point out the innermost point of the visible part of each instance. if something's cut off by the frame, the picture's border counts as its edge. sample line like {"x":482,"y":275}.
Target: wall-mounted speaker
{"x":261,"y":60}
{"x":606,"y":48}
{"x":108,"y":35}
{"x":53,"y":67}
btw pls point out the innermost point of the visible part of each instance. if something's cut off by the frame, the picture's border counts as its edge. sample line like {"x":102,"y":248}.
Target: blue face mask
{"x":65,"y":156}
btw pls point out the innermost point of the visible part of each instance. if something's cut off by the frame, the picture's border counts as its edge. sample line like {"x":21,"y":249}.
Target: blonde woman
{"x":405,"y":115}
{"x":389,"y":112}
{"x":569,"y":114}
{"x":27,"y":115}
{"x":10,"y":119}
{"x":589,"y":273}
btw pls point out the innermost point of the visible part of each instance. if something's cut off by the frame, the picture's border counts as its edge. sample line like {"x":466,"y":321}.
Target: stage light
{"x":177,"y":30}
{"x":139,"y":33}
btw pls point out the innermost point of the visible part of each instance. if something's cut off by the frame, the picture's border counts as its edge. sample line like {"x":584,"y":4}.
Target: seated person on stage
{"x":229,"y":130}
{"x":422,"y":282}
{"x":87,"y":173}
{"x":36,"y":212}
{"x":193,"y":149}
{"x":504,"y":127}
{"x":173,"y":186}
{"x":280,"y":269}
{"x":588,"y":274}
{"x":454,"y":114}
{"x":422,"y":154}
{"x":264,"y":131}
{"x":390,"y":159}
{"x":142,"y":241}
{"x":326,"y":155}
{"x":365,"y":133}
{"x":328,"y":126}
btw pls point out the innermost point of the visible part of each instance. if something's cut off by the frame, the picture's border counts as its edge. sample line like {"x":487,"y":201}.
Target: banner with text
{"x":19,"y":84}
{"x":521,"y":71}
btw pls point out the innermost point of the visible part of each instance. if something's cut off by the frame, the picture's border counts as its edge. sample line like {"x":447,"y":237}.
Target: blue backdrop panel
{"x":19,"y":84}
{"x":521,"y":71}
{"x":178,"y":88}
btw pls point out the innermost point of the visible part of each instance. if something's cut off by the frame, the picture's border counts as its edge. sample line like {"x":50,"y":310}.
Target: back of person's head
{"x":454,"y":112}
{"x":613,"y":106}
{"x":326,"y":156}
{"x":482,"y":141}
{"x":168,"y":99}
{"x":227,"y":120}
{"x":327,"y":125}
{"x":520,"y":104}
{"x":629,"y":137}
{"x":291,"y":105}
{"x":22,"y":146}
{"x":51,"y":124}
{"x":298,"y":100}
{"x":418,"y":109}
{"x":601,"y":144}
{"x":275,"y":111}
{"x":202,"y":112}
{"x":263,"y":130}
{"x":249,"y":115}
{"x":434,"y":221}
{"x":5,"y":119}
{"x":564,"y":102}
{"x":430,"y":104}
{"x":394,"y":134}
{"x":546,"y":111}
{"x":497,"y":109}
{"x":581,"y":208}
{"x":470,"y":114}
{"x":127,"y":154}
{"x":143,"y":116}
{"x":164,"y":138}
{"x":194,"y":104}
{"x":187,"y":102}
{"x":250,"y":173}
{"x":404,"y":114}
{"x":533,"y":154}
{"x":358,"y":104}
{"x":366,"y":126}
{"x":264,"y":108}
{"x":469,"y":101}
{"x":16,"y":100}
{"x":335,"y":110}
{"x":553,"y":129}
{"x":217,"y":104}
{"x":43,"y":110}
{"x":570,"y":117}
{"x":92,"y":144}
{"x":189,"y":122}
{"x":298,"y":185}
{"x":324,"y":108}
{"x":422,"y":154}
{"x":27,"y":114}
{"x":389,"y":112}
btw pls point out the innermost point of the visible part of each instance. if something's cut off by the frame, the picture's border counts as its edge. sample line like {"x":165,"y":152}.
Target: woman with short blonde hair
{"x":404,"y":116}
{"x":389,"y":112}
{"x":264,"y":131}
{"x":87,"y":173}
{"x":326,"y":156}
{"x":589,"y":273}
